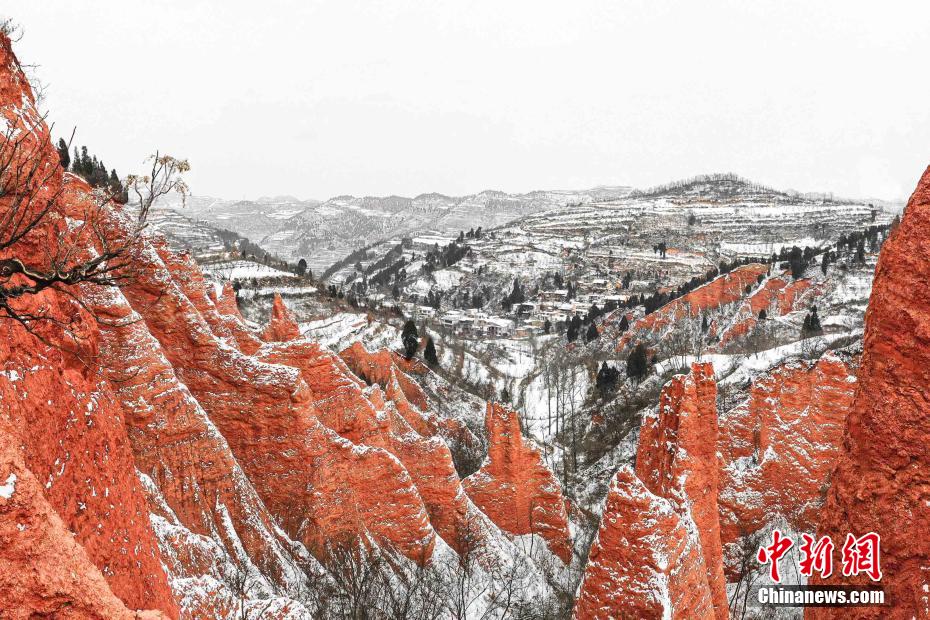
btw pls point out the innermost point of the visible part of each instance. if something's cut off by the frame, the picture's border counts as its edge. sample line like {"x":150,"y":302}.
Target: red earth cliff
{"x":780,"y":445}
{"x":282,"y":326}
{"x":722,"y":290}
{"x":515,"y":488}
{"x":60,"y":415}
{"x":882,"y":482}
{"x":44,"y":571}
{"x":644,"y":562}
{"x":677,"y":460}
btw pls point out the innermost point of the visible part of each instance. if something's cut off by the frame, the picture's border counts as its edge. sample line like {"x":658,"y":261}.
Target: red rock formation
{"x":515,"y":488}
{"x":63,"y":418}
{"x":370,"y":419}
{"x":881,"y":483}
{"x":227,"y":303}
{"x":265,"y":410}
{"x":677,"y":460}
{"x":198,"y":490}
{"x":44,"y":571}
{"x":282,"y":326}
{"x":779,"y":446}
{"x":644,"y":562}
{"x":391,"y":372}
{"x":382,"y":367}
{"x":74,"y":439}
{"x":725,"y":289}
{"x":227,"y":325}
{"x":778,"y":296}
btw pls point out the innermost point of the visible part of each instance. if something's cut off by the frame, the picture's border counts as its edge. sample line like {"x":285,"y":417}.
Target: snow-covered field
{"x":241,"y":269}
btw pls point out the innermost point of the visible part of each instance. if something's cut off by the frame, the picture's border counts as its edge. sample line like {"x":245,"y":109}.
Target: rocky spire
{"x":882,"y":482}
{"x":282,"y":326}
{"x":677,"y":460}
{"x":644,"y":562}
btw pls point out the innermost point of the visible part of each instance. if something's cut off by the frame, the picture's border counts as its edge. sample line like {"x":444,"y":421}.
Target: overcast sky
{"x":317,"y":99}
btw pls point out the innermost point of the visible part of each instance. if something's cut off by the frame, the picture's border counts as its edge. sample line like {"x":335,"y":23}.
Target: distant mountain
{"x":325,"y":232}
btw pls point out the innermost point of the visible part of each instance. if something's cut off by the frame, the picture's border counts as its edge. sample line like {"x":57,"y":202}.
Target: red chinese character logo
{"x":774,"y":552}
{"x":817,"y":556}
{"x":861,"y":555}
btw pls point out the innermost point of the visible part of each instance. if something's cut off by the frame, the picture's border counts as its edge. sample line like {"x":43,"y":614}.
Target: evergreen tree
{"x":606,"y":380}
{"x":302,"y":266}
{"x":410,"y":339}
{"x":624,"y":324}
{"x":811,"y":326}
{"x":637,"y":364}
{"x":763,"y":314}
{"x":573,"y":327}
{"x":704,"y":324}
{"x":429,"y":353}
{"x":592,"y":333}
{"x":547,"y":326}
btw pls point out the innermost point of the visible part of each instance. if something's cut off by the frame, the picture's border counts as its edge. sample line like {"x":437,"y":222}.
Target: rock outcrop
{"x":44,"y":571}
{"x":779,"y":446}
{"x":882,"y":481}
{"x":726,"y":289}
{"x":677,"y":460}
{"x":644,"y":563}
{"x":79,"y":503}
{"x":515,"y":488}
{"x":282,"y":326}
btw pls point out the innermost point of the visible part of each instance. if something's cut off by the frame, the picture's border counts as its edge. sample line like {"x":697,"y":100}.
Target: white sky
{"x":317,"y":99}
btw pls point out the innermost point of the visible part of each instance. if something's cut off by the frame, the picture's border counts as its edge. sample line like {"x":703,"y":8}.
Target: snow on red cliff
{"x":282,"y":326}
{"x":644,"y":563}
{"x":779,"y":446}
{"x":882,"y":482}
{"x":74,"y":467}
{"x":515,"y":488}
{"x":725,"y":289}
{"x":677,"y":460}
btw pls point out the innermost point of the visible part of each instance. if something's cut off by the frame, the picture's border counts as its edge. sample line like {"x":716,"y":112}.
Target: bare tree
{"x":43,"y":249}
{"x":165,"y":177}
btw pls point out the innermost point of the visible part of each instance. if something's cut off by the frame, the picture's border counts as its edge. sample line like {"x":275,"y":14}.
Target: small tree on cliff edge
{"x":29,"y":196}
{"x":429,"y":353}
{"x":410,"y":339}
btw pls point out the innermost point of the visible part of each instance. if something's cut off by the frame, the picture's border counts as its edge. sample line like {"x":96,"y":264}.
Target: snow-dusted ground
{"x":241,"y":270}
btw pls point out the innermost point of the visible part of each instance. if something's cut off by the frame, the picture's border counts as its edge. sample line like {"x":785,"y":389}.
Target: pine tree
{"x":410,"y":339}
{"x":592,"y":333}
{"x":429,"y":353}
{"x":811,"y":326}
{"x":606,"y":380}
{"x":637,"y":364}
{"x":573,"y":328}
{"x":547,"y":326}
{"x":624,"y":324}
{"x":302,"y":266}
{"x":704,"y":324}
{"x":763,"y":314}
